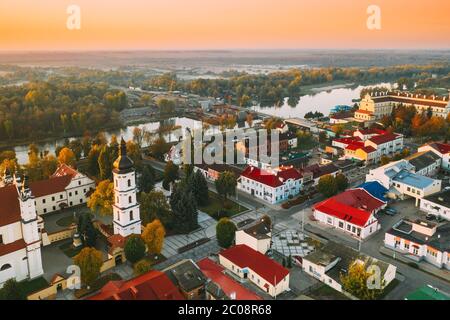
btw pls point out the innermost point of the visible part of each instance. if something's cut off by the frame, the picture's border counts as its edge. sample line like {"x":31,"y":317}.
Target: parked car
{"x":390,"y":211}
{"x":447,"y":188}
{"x":430,"y":217}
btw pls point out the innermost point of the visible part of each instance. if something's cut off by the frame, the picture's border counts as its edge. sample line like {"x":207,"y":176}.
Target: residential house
{"x":250,"y":264}
{"x":213,"y":171}
{"x":421,"y":240}
{"x":153,"y":285}
{"x":312,"y":174}
{"x":399,"y":178}
{"x":257,"y":236}
{"x":221,"y":286}
{"x":187,"y":276}
{"x":329,"y":263}
{"x":273,"y":186}
{"x":437,"y":204}
{"x":440,"y":149}
{"x":425,"y":163}
{"x":352,"y":212}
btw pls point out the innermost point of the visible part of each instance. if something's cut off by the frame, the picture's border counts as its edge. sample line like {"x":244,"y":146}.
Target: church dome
{"x":123,"y":163}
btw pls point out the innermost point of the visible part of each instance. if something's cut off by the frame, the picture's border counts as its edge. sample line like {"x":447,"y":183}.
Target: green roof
{"x":427,"y":293}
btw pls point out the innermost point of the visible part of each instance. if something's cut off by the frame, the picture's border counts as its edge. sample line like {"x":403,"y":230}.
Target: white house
{"x":258,"y":236}
{"x":399,"y":179}
{"x":440,"y":149}
{"x":250,"y":264}
{"x":437,"y":204}
{"x":272,"y":186}
{"x":425,"y":163}
{"x":352,"y":212}
{"x":421,"y":240}
{"x":20,"y":241}
{"x":328,"y":263}
{"x":65,"y":188}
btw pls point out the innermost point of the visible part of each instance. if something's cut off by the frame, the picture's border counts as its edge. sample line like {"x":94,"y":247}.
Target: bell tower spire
{"x":126,"y":212}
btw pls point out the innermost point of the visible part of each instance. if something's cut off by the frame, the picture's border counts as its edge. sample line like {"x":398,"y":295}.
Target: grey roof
{"x":442,"y":198}
{"x":423,"y":160}
{"x":259,"y":230}
{"x":345,"y":255}
{"x":440,"y":240}
{"x":186,"y":275}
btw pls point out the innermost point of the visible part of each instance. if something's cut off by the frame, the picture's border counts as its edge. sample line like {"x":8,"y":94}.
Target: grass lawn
{"x":216,"y":209}
{"x":65,"y":221}
{"x":69,"y":250}
{"x":34,"y":285}
{"x":325,"y":292}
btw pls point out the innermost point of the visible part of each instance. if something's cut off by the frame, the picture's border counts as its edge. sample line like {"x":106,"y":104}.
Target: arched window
{"x":129,"y":199}
{"x":129,"y":182}
{"x":131,"y":215}
{"x":5,"y":267}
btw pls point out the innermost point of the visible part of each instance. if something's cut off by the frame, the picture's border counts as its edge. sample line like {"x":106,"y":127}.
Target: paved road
{"x":283,"y":219}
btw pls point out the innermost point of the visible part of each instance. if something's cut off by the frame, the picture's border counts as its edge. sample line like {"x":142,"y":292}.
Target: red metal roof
{"x":65,"y":170}
{"x":368,"y":149}
{"x":245,"y":257}
{"x":364,"y":111}
{"x":153,"y":285}
{"x":354,"y":206}
{"x":9,"y":205}
{"x":273,"y":180}
{"x":12,"y":247}
{"x":441,"y":147}
{"x":214,"y":272}
{"x":50,"y":186}
{"x":383,"y":138}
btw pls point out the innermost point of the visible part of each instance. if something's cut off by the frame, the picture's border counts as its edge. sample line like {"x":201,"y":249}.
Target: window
{"x":45,"y":210}
{"x":5,"y":267}
{"x":76,"y":192}
{"x":129,"y":182}
{"x":406,"y":246}
{"x":70,"y":194}
{"x":1,"y":239}
{"x":81,"y":200}
{"x":131,"y":215}
{"x":43,"y":200}
{"x":53,"y":198}
{"x":79,"y":183}
{"x":129,"y":199}
{"x":341,"y":225}
{"x":53,"y":208}
{"x":60,"y":196}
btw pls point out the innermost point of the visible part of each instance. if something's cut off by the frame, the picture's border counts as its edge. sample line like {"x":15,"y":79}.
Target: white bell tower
{"x":127,"y":218}
{"x":30,"y":230}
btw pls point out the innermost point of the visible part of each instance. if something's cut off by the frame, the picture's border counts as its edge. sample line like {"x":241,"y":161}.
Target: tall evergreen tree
{"x":147,"y":179}
{"x":200,"y":188}
{"x":184,"y":209}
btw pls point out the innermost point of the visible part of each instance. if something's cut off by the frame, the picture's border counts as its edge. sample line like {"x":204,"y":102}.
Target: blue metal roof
{"x":375,"y":189}
{"x":413,"y":180}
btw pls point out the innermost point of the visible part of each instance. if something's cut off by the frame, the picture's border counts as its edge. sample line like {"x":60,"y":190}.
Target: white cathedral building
{"x":20,"y":241}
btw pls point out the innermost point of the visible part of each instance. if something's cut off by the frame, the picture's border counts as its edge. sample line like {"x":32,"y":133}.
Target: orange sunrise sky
{"x":223,"y":24}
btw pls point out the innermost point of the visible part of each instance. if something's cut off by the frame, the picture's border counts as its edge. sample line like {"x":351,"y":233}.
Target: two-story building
{"x":273,"y":186}
{"x":442,"y":150}
{"x":421,"y":240}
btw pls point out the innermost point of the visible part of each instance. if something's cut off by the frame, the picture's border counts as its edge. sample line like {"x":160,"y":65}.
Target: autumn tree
{"x":134,"y":248}
{"x":89,"y":260}
{"x":153,"y":205}
{"x":66,"y":156}
{"x":356,"y":281}
{"x":142,"y":267}
{"x":102,"y":199}
{"x":153,"y":236}
{"x":327,"y":185}
{"x":225,"y":232}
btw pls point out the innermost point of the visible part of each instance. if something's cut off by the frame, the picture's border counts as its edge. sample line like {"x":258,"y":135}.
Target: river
{"x":322,"y":101}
